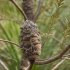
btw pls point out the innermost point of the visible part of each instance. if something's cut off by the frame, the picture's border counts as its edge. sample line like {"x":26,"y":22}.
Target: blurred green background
{"x":53,"y":23}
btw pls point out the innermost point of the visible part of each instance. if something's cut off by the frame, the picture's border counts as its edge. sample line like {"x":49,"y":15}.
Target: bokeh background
{"x":53,"y":23}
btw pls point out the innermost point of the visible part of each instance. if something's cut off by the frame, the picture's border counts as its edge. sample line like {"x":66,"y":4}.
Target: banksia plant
{"x":30,"y":43}
{"x":54,"y":30}
{"x":30,"y":38}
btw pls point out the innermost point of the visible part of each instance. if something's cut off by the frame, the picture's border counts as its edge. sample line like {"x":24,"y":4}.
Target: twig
{"x":15,"y":3}
{"x":7,"y":58}
{"x":46,"y":9}
{"x":41,"y":62}
{"x":62,"y":23}
{"x":68,"y":55}
{"x":4,"y":18}
{"x":38,"y":10}
{"x":58,"y":40}
{"x":56,"y":66}
{"x":10,"y":42}
{"x":3,"y":65}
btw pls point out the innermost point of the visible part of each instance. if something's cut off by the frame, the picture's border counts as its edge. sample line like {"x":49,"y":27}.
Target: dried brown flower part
{"x":30,"y":40}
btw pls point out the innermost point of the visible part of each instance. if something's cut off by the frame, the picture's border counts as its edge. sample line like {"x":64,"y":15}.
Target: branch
{"x":19,"y":8}
{"x":3,"y":65}
{"x":58,"y":40}
{"x":68,"y":55}
{"x":7,"y":57}
{"x":10,"y":42}
{"x":4,"y":18}
{"x":28,"y":7}
{"x":56,"y":66}
{"x":41,"y":62}
{"x":38,"y":10}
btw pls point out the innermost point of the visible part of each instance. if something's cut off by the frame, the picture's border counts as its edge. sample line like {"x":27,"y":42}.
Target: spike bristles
{"x":30,"y":41}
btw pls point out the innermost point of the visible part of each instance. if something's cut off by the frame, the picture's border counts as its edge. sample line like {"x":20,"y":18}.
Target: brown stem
{"x":38,"y":10}
{"x":10,"y":42}
{"x":28,"y":8}
{"x":31,"y":62}
{"x":26,"y":64}
{"x":23,"y":13}
{"x":41,"y":62}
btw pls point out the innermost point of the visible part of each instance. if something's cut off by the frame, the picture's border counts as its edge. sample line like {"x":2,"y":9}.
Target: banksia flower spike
{"x":30,"y":41}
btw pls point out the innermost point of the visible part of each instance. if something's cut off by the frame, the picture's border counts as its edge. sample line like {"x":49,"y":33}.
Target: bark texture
{"x":28,"y":8}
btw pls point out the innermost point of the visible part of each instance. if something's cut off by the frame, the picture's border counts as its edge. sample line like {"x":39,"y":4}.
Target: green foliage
{"x":54,"y":25}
